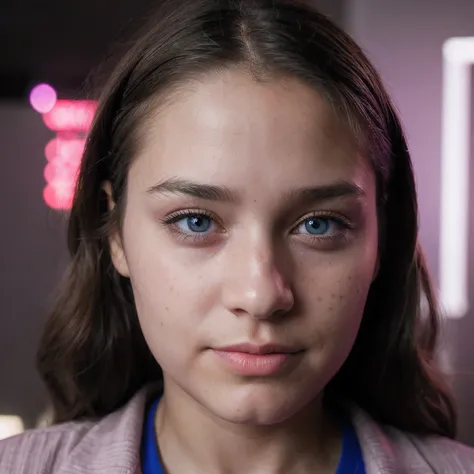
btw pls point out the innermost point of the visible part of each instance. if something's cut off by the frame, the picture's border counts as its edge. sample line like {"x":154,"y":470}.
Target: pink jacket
{"x":112,"y":446}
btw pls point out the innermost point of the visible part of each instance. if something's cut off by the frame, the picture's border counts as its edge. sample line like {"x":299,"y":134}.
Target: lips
{"x":257,"y":360}
{"x":249,"y":348}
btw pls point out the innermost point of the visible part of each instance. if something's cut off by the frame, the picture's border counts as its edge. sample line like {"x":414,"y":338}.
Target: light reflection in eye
{"x":195,"y":223}
{"x":317,"y":226}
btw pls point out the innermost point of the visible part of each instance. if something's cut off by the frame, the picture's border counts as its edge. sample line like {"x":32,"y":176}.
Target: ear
{"x":117,"y":253}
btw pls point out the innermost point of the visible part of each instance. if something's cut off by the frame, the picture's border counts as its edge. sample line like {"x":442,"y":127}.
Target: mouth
{"x":257,"y":360}
{"x":256,"y":349}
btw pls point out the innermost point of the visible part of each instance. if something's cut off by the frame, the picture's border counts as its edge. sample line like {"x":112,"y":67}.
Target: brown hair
{"x":93,"y":356}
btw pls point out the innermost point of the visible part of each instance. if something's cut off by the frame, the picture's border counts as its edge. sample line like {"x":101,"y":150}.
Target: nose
{"x":256,"y":285}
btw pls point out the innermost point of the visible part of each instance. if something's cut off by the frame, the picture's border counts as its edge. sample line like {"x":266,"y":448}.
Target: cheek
{"x":345,"y":304}
{"x":338,"y":307}
{"x":163,"y":279}
{"x":336,"y":298}
{"x":165,"y":288}
{"x":164,"y":310}
{"x":171,"y":296}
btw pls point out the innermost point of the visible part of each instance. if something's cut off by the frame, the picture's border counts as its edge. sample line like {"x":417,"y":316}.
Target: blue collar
{"x":151,"y":463}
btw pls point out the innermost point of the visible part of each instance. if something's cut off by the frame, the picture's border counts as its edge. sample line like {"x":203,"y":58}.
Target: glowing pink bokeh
{"x":43,"y":98}
{"x":70,"y":115}
{"x":70,"y":119}
{"x":69,"y":149}
{"x":60,"y":172}
{"x":59,"y":196}
{"x":64,"y":157}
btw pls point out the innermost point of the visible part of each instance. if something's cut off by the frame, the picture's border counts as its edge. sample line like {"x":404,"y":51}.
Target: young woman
{"x":245,"y":280}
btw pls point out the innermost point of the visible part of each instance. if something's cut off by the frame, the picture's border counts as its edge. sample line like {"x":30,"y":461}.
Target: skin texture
{"x":257,"y":273}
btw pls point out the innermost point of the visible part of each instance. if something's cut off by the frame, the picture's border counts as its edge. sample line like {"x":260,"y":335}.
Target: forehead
{"x":229,"y":129}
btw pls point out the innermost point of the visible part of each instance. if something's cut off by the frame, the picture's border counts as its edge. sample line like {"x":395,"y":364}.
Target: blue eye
{"x":317,"y":226}
{"x":196,"y":223}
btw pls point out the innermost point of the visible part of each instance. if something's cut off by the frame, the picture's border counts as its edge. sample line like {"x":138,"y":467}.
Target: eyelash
{"x":344,"y":224}
{"x":172,"y":219}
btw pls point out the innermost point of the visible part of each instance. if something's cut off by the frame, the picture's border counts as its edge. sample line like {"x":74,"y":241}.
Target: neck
{"x":191,"y":439}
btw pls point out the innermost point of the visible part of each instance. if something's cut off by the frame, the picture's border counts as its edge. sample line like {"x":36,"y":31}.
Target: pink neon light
{"x":43,"y":98}
{"x":60,"y":172}
{"x":68,"y":149}
{"x":64,"y":153}
{"x":64,"y":157}
{"x":70,"y":115}
{"x":59,"y":196}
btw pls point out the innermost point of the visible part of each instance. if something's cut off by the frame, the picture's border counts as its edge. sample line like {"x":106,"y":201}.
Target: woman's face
{"x":250,"y":238}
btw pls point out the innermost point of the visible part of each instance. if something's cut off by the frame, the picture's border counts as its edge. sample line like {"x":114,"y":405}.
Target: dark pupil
{"x":199,"y":223}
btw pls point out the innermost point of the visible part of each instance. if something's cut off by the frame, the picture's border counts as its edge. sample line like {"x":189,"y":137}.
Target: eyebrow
{"x":209,"y":192}
{"x":337,"y":190}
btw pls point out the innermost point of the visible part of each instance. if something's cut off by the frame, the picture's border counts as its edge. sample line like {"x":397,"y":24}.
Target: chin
{"x":259,"y":404}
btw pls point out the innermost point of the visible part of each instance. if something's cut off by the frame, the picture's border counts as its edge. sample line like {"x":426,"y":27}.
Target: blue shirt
{"x":351,"y":461}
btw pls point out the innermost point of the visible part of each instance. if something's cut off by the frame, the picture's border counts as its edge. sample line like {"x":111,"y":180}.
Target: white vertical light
{"x":10,"y":426}
{"x":458,"y":56}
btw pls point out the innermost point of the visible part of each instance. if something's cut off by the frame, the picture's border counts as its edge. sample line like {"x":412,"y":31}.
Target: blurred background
{"x":63,"y":43}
